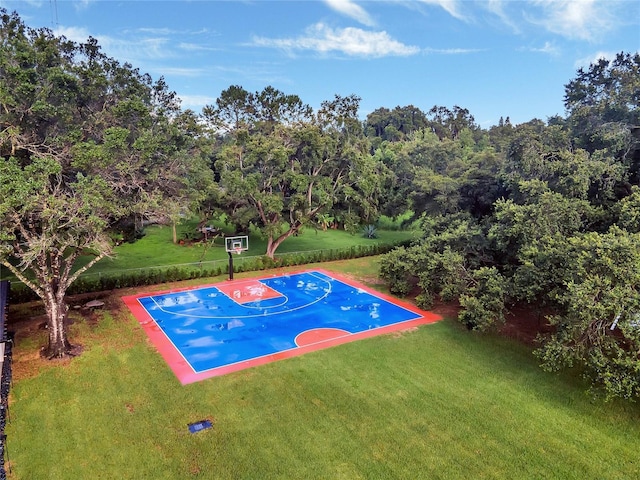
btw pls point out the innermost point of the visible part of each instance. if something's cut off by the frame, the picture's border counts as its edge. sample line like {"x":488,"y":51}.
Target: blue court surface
{"x":217,"y":329}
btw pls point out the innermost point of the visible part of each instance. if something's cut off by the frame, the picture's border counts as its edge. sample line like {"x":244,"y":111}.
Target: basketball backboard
{"x":237,"y":244}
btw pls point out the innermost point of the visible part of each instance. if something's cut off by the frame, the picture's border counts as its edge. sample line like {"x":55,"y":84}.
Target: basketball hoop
{"x":235,"y":245}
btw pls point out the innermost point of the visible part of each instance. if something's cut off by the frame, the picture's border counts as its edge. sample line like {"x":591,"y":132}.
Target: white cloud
{"x":125,"y":50}
{"x":354,"y":42}
{"x":180,"y":71}
{"x":351,"y":9}
{"x":195,"y":102}
{"x":34,"y":3}
{"x":136,"y":50}
{"x":76,"y":34}
{"x":170,"y":31}
{"x":586,"y":61}
{"x":498,"y":8}
{"x":452,"y":7}
{"x":82,"y":4}
{"x":196,"y":47}
{"x":580,"y":19}
{"x":548,"y":48}
{"x":157,"y":31}
{"x":452,"y":51}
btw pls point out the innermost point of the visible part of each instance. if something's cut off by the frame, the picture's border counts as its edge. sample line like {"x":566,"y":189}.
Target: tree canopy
{"x":282,"y":170}
{"x":85,"y":141}
{"x":540,"y":214}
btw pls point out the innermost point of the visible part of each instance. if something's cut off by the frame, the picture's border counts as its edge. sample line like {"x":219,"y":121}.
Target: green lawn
{"x":436,"y":402}
{"x":156,"y":247}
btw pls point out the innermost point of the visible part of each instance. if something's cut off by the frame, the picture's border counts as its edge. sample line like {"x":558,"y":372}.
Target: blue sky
{"x":494,"y":57}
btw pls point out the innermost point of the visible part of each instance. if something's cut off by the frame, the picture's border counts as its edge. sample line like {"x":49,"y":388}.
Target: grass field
{"x":434,"y":403}
{"x":157,"y":249}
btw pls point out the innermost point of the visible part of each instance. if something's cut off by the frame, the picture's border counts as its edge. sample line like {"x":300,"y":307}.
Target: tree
{"x":435,"y":176}
{"x":233,"y":110}
{"x":628,"y":211}
{"x":237,"y":110}
{"x":541,"y":215}
{"x":500,"y":136}
{"x":607,"y":89}
{"x":547,"y":153}
{"x":281,"y":178}
{"x":85,"y":141}
{"x":603,"y":103}
{"x":393,"y":201}
{"x":192,"y":152}
{"x":395,"y":125}
{"x":447,"y":123}
{"x":597,"y":328}
{"x":449,"y":261}
{"x":483,"y":304}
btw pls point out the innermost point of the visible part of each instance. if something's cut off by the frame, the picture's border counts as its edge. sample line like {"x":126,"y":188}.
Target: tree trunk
{"x":57,"y":308}
{"x":174,"y":232}
{"x":51,"y":284}
{"x":272,"y":245}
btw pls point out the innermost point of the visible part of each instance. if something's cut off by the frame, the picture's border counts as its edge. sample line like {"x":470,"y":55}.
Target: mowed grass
{"x":156,"y":247}
{"x":436,"y":402}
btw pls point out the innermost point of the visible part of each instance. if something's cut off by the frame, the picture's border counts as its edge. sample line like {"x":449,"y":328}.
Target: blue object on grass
{"x":201,"y":425}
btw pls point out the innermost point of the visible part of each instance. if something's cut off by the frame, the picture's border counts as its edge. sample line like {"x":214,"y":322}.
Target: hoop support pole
{"x":230,"y":265}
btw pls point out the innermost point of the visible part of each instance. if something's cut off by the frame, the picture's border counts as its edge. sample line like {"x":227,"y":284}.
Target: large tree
{"x":603,"y":103}
{"x":281,"y":168}
{"x":394,"y":125}
{"x":597,"y":323}
{"x":85,"y":141}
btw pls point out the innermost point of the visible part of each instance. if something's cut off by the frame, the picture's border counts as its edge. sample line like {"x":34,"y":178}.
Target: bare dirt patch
{"x":28,"y":324}
{"x":525,"y":324}
{"x":370,"y":280}
{"x":447,"y":310}
{"x":402,"y":333}
{"x":522,"y":323}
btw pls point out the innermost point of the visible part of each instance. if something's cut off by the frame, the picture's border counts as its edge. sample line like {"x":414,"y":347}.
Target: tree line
{"x":542,"y":213}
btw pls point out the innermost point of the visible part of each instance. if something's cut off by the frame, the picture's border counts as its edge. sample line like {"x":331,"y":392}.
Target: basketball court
{"x":217,"y":329}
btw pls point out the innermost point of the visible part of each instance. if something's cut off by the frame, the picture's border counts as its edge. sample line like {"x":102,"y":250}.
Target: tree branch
{"x":18,"y":273}
{"x":81,"y":270}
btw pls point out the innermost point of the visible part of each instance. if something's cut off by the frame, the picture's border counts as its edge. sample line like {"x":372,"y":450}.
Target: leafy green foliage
{"x":395,"y":125}
{"x":370,"y":231}
{"x":483,"y":304}
{"x":282,"y":167}
{"x":544,"y":215}
{"x":628,"y":210}
{"x":85,"y":142}
{"x":596,"y":328}
{"x":604,"y":108}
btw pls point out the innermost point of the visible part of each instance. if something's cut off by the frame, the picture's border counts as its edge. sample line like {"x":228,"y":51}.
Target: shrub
{"x":127,"y":279}
{"x":484,"y":304}
{"x":370,"y":231}
{"x":394,"y":270}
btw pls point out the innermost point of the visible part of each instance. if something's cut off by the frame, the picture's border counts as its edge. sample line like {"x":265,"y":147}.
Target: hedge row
{"x":157,"y":275}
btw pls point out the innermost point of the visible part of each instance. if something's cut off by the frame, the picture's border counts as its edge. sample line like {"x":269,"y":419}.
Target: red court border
{"x":185,"y":373}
